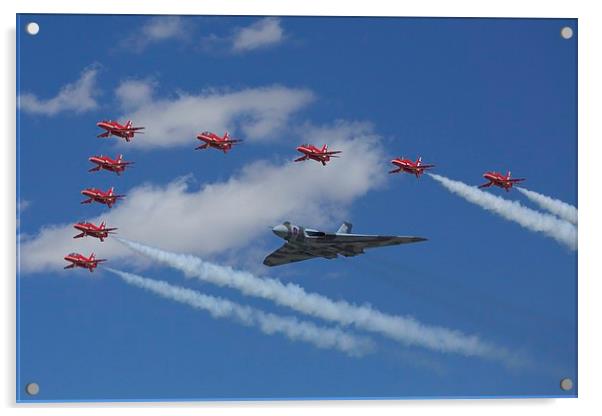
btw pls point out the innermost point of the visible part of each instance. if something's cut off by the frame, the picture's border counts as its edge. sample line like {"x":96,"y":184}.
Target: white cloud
{"x":174,"y":121}
{"x":22,"y":205}
{"x":231,"y":214}
{"x":261,"y":34}
{"x":133,"y":94}
{"x":156,"y":29}
{"x":78,"y":97}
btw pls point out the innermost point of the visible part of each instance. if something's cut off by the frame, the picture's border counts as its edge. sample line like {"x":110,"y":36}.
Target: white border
{"x":590,"y":71}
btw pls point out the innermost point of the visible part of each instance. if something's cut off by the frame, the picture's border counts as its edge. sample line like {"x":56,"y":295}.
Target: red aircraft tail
{"x":111,"y":191}
{"x":119,"y":158}
{"x":226,"y":135}
{"x":128,"y":124}
{"x":325,"y":148}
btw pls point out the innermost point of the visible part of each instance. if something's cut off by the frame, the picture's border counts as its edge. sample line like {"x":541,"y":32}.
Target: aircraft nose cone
{"x":280,"y":230}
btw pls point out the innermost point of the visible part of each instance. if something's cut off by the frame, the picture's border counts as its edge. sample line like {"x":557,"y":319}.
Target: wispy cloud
{"x":261,"y":34}
{"x":155,"y":30}
{"x":268,"y":323}
{"x":259,"y":113}
{"x":77,"y":97}
{"x":562,"y":231}
{"x":555,"y":206}
{"x":135,"y":93}
{"x":231,"y":214}
{"x":404,"y":329}
{"x":22,"y":205}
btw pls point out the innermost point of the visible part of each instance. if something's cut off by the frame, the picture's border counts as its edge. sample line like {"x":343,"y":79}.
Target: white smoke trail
{"x":560,"y":230}
{"x":268,"y":323}
{"x":404,"y":329}
{"x":555,"y":206}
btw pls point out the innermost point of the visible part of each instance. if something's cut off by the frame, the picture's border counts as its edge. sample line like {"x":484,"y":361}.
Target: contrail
{"x":268,"y":323}
{"x":555,"y":206}
{"x":560,"y":230}
{"x":404,"y":329}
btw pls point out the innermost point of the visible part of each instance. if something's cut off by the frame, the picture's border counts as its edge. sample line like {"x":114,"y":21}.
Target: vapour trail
{"x":560,"y":230}
{"x":555,"y":206}
{"x":404,"y":329}
{"x":268,"y":323}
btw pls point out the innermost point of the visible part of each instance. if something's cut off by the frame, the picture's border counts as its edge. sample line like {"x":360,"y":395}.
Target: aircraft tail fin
{"x":92,"y":256}
{"x":345,"y":228}
{"x":102,"y":224}
{"x":325,"y":148}
{"x":128,"y":125}
{"x":419,"y":161}
{"x":226,"y":135}
{"x":119,"y":158}
{"x":508,"y":175}
{"x":111,"y":190}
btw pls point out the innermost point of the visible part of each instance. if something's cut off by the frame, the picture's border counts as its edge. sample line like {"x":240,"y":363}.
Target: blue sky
{"x":469,"y":95}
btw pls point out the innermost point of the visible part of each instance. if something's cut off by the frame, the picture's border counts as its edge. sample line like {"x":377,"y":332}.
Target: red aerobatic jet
{"x":89,"y":229}
{"x":79,"y":260}
{"x":108,"y":198}
{"x":406,"y":165}
{"x":113,"y":128}
{"x":116,"y":165}
{"x":213,"y":140}
{"x":497,"y":179}
{"x":322,"y":155}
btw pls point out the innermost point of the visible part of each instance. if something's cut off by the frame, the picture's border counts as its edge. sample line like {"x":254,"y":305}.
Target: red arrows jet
{"x":116,"y":165}
{"x":98,"y":231}
{"x":113,"y":128}
{"x":406,"y":165}
{"x":108,"y":198}
{"x":79,"y":260}
{"x":497,"y":179}
{"x":213,"y":140}
{"x":322,"y":155}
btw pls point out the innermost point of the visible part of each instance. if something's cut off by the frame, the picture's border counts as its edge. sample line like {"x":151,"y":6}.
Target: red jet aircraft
{"x":117,"y":165}
{"x":108,"y":198}
{"x":322,"y":155}
{"x":213,"y":140}
{"x":79,"y":260}
{"x":497,"y":179}
{"x":98,"y":231}
{"x":406,"y":165}
{"x":113,"y":128}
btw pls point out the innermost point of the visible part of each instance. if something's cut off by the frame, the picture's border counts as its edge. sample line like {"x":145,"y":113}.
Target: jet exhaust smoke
{"x":557,"y":207}
{"x":560,"y":230}
{"x":404,"y":329}
{"x":268,"y":323}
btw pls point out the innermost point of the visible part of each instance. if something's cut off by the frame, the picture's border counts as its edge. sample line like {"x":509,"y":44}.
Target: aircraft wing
{"x":290,"y":253}
{"x":124,"y":129}
{"x":358,"y":242}
{"x":332,"y":245}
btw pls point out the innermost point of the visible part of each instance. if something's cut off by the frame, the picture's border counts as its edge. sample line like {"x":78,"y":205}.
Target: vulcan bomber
{"x":306,"y":243}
